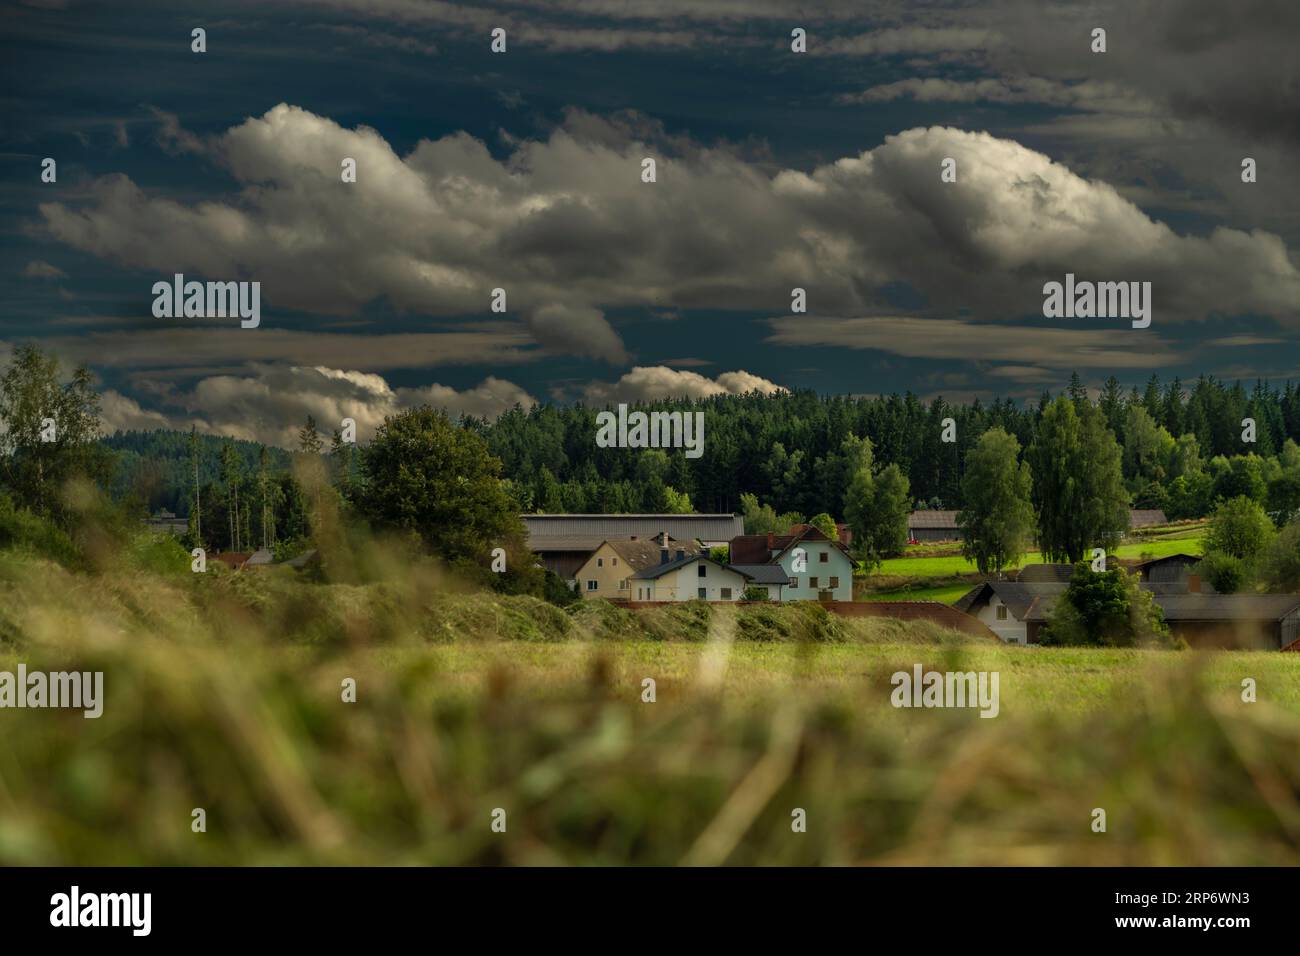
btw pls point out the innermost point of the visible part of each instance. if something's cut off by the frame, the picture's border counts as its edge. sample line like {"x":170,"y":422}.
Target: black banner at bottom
{"x":333,"y":906}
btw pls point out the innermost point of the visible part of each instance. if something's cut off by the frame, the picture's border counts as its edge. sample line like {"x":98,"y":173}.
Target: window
{"x":812,"y":582}
{"x":600,"y":562}
{"x":622,"y":585}
{"x":704,"y":593}
{"x":835,"y":582}
{"x":592,"y":585}
{"x":1002,"y":612}
{"x":613,"y":562}
{"x":794,"y":582}
{"x":704,"y":570}
{"x":823,"y":557}
{"x":726,"y":594}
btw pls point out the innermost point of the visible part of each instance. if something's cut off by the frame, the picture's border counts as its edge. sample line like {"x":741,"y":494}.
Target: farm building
{"x":608,"y":570}
{"x":1016,"y":611}
{"x":564,"y":542}
{"x":822,"y":572}
{"x":687,"y":577}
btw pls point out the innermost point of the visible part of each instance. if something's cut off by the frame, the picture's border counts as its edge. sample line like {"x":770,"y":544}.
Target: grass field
{"x":944,"y":594}
{"x":941,"y":566}
{"x":223,"y":692}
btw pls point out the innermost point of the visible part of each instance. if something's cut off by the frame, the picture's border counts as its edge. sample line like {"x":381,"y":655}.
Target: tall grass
{"x":223,"y":692}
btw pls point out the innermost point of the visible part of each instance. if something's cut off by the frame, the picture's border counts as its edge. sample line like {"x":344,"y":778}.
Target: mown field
{"x":223,"y":693}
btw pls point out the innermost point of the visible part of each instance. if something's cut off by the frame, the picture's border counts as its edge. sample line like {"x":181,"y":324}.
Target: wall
{"x":837,"y":565}
{"x":607,"y":569}
{"x":684,"y":583}
{"x":1010,"y":630}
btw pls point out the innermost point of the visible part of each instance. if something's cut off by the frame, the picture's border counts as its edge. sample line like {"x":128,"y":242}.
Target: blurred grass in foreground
{"x":223,"y":692}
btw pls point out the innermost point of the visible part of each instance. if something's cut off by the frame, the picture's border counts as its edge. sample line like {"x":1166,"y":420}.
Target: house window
{"x":600,"y":562}
{"x":622,"y":585}
{"x":1002,"y":612}
{"x":592,"y":585}
{"x":613,"y":562}
{"x":704,"y":593}
{"x":704,"y":570}
{"x":794,"y":582}
{"x":726,"y":594}
{"x":823,"y":557}
{"x":835,"y":582}
{"x":812,"y":582}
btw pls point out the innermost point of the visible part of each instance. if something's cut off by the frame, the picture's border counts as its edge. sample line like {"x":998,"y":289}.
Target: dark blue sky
{"x":776,"y":169}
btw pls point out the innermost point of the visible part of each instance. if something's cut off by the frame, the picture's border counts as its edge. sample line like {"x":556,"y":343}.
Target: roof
{"x":1146,"y":518}
{"x":758,"y":548}
{"x":933,"y":519}
{"x":1045,"y":573}
{"x":642,"y":552}
{"x":236,"y":559}
{"x":659,"y":570}
{"x":1227,"y":607}
{"x":918,"y":610}
{"x":762,"y":573}
{"x":1026,"y":602}
{"x":544,"y":529}
{"x":1181,"y":557}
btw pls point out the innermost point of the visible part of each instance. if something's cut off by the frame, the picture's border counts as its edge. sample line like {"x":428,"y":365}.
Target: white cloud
{"x":40,"y":269}
{"x":566,"y":226}
{"x":649,"y":383}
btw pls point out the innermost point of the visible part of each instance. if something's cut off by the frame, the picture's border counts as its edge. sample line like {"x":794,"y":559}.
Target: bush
{"x":1226,"y":572}
{"x":1105,"y":608}
{"x":22,"y":530}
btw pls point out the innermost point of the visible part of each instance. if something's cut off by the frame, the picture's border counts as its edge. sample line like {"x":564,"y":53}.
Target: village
{"x":642,"y":560}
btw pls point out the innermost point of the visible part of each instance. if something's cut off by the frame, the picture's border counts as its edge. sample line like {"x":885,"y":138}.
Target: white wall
{"x":684,"y":583}
{"x":1010,"y":630}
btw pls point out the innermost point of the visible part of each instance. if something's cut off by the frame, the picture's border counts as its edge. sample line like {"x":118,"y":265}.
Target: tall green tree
{"x":50,"y":431}
{"x":877,"y":508}
{"x":309,"y":440}
{"x":997,"y":521}
{"x":1078,"y":482}
{"x":427,"y":475}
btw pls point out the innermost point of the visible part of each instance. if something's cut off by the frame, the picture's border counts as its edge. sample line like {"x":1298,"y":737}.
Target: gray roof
{"x":643,"y":552}
{"x":933,"y":519}
{"x":543,"y":530}
{"x":1146,"y":518}
{"x":1045,"y":573}
{"x":1227,"y":607}
{"x":762,"y":573}
{"x":1026,"y":602}
{"x":658,"y":570}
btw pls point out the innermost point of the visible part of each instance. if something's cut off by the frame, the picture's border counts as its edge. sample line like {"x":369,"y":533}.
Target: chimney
{"x":1193,"y":584}
{"x":771,"y":541}
{"x":663,"y":555}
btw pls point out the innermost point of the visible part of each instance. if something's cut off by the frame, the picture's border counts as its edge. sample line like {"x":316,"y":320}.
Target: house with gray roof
{"x":564,"y":542}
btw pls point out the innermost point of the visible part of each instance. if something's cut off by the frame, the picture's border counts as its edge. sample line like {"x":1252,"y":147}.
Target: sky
{"x":523,"y":170}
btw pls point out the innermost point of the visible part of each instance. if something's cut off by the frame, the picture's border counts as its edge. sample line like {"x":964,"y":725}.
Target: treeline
{"x":1182,"y":448}
{"x":155,"y":468}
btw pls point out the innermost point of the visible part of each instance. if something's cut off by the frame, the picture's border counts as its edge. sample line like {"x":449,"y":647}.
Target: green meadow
{"x":224,"y":691}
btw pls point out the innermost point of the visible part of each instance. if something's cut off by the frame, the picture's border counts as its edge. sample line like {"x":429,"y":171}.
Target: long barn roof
{"x":710,"y":527}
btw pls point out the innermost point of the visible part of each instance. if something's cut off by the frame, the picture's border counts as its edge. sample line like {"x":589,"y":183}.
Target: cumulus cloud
{"x":650,"y":383}
{"x":121,"y":412}
{"x":270,"y":403}
{"x":40,"y":269}
{"x":568,"y":228}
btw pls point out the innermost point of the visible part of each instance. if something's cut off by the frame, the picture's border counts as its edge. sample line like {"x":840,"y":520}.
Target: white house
{"x":688,"y":577}
{"x":815,"y":567}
